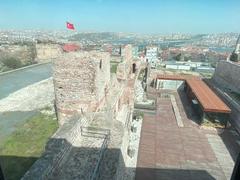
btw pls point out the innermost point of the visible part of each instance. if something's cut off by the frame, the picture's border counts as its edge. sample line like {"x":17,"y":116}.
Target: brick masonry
{"x":227,"y":75}
{"x":167,"y":151}
{"x":45,"y":52}
{"x":81,"y":80}
{"x":83,"y":87}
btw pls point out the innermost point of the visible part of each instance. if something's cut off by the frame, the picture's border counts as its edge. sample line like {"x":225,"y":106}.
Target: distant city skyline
{"x":142,"y":16}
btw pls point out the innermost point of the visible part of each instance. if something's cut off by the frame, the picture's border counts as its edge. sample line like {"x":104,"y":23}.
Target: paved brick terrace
{"x":167,"y":151}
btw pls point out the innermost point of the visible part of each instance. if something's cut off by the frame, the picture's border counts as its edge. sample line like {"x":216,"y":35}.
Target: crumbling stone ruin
{"x":46,"y":51}
{"x":81,"y":82}
{"x":95,"y":110}
{"x":24,"y":53}
{"x":124,"y":68}
{"x":227,"y":75}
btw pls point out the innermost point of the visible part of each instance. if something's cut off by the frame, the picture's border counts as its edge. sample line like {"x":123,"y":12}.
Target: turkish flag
{"x":70,"y":26}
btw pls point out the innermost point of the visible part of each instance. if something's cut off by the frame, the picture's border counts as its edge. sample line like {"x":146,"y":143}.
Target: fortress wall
{"x":80,"y":83}
{"x":25,"y":53}
{"x":80,"y":80}
{"x":46,"y":52}
{"x":58,"y":147}
{"x":227,"y":75}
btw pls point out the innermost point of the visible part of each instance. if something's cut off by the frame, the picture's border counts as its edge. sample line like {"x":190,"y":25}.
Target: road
{"x":13,"y":81}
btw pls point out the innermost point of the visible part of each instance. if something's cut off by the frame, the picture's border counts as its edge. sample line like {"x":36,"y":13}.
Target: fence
{"x":97,"y":132}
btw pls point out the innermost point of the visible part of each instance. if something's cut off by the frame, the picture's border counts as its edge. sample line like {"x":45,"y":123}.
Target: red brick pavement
{"x":166,"y":150}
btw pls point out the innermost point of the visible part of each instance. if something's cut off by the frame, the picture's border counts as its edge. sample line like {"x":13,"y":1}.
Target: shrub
{"x":234,"y":57}
{"x":11,"y":62}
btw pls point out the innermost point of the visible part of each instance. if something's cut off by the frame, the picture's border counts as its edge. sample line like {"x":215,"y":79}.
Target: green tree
{"x":11,"y":62}
{"x":178,"y":57}
{"x":234,"y":57}
{"x":187,"y":58}
{"x":214,"y":64}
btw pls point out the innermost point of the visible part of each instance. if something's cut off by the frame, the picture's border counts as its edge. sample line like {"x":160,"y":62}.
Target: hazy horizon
{"x":96,"y":31}
{"x":141,"y":17}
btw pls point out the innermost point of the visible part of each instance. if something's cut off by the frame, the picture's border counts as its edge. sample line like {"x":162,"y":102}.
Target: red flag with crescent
{"x":70,"y":26}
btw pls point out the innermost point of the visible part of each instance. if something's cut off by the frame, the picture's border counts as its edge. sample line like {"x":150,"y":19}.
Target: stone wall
{"x":56,"y":151}
{"x":124,"y":68}
{"x":25,"y":53}
{"x":227,"y":75}
{"x":113,"y":166}
{"x":127,"y":53}
{"x":46,"y":52}
{"x":82,"y":83}
{"x":81,"y":80}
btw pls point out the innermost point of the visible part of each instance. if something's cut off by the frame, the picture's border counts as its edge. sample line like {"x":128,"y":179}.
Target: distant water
{"x":222,"y":49}
{"x":14,"y":81}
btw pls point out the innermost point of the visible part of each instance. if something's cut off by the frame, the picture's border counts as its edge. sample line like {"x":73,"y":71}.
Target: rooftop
{"x":70,"y":47}
{"x":207,"y":98}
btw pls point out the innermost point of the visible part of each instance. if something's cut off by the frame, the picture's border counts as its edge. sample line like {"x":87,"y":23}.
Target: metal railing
{"x":96,"y":174}
{"x":98,"y":133}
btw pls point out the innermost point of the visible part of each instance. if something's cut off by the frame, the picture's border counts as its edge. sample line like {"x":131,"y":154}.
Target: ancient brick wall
{"x":81,"y":80}
{"x":46,"y":52}
{"x":123,"y":71}
{"x":127,"y":53}
{"x":227,"y":75}
{"x":25,"y":53}
{"x":124,"y":68}
{"x":56,"y":151}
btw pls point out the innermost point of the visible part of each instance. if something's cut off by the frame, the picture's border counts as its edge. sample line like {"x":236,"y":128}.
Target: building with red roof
{"x":70,"y":47}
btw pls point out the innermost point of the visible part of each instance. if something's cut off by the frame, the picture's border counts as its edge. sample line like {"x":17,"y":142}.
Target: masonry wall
{"x":56,"y":151}
{"x":227,"y":74}
{"x":81,"y":80}
{"x":127,"y":53}
{"x":25,"y":53}
{"x":46,"y":52}
{"x":124,"y":68}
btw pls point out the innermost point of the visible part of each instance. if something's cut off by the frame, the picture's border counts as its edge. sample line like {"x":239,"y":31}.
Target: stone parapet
{"x":58,"y":147}
{"x":81,"y":81}
{"x":227,"y":75}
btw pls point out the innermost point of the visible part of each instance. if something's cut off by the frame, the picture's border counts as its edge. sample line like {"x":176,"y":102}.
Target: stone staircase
{"x":85,"y":156}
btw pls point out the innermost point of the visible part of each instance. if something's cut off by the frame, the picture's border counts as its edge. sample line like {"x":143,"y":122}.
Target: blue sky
{"x":141,"y":16}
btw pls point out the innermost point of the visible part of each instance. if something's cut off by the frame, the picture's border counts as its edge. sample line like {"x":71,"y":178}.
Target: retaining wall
{"x":227,"y":75}
{"x":56,"y":150}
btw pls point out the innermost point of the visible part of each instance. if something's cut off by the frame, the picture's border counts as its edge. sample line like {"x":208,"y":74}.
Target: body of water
{"x":222,"y":49}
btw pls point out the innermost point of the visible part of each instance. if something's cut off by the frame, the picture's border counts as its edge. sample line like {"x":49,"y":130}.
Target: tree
{"x":11,"y":62}
{"x":178,"y":57}
{"x":186,"y":58}
{"x":234,"y":57}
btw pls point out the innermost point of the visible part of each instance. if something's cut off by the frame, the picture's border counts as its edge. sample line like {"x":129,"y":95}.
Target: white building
{"x":152,"y":55}
{"x":195,"y":66}
{"x":205,"y":69}
{"x":177,"y":66}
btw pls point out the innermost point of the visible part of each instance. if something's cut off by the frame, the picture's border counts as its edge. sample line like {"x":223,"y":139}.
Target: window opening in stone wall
{"x":100,"y":65}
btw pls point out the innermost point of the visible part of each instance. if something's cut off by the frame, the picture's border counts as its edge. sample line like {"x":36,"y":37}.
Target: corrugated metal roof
{"x":207,"y":98}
